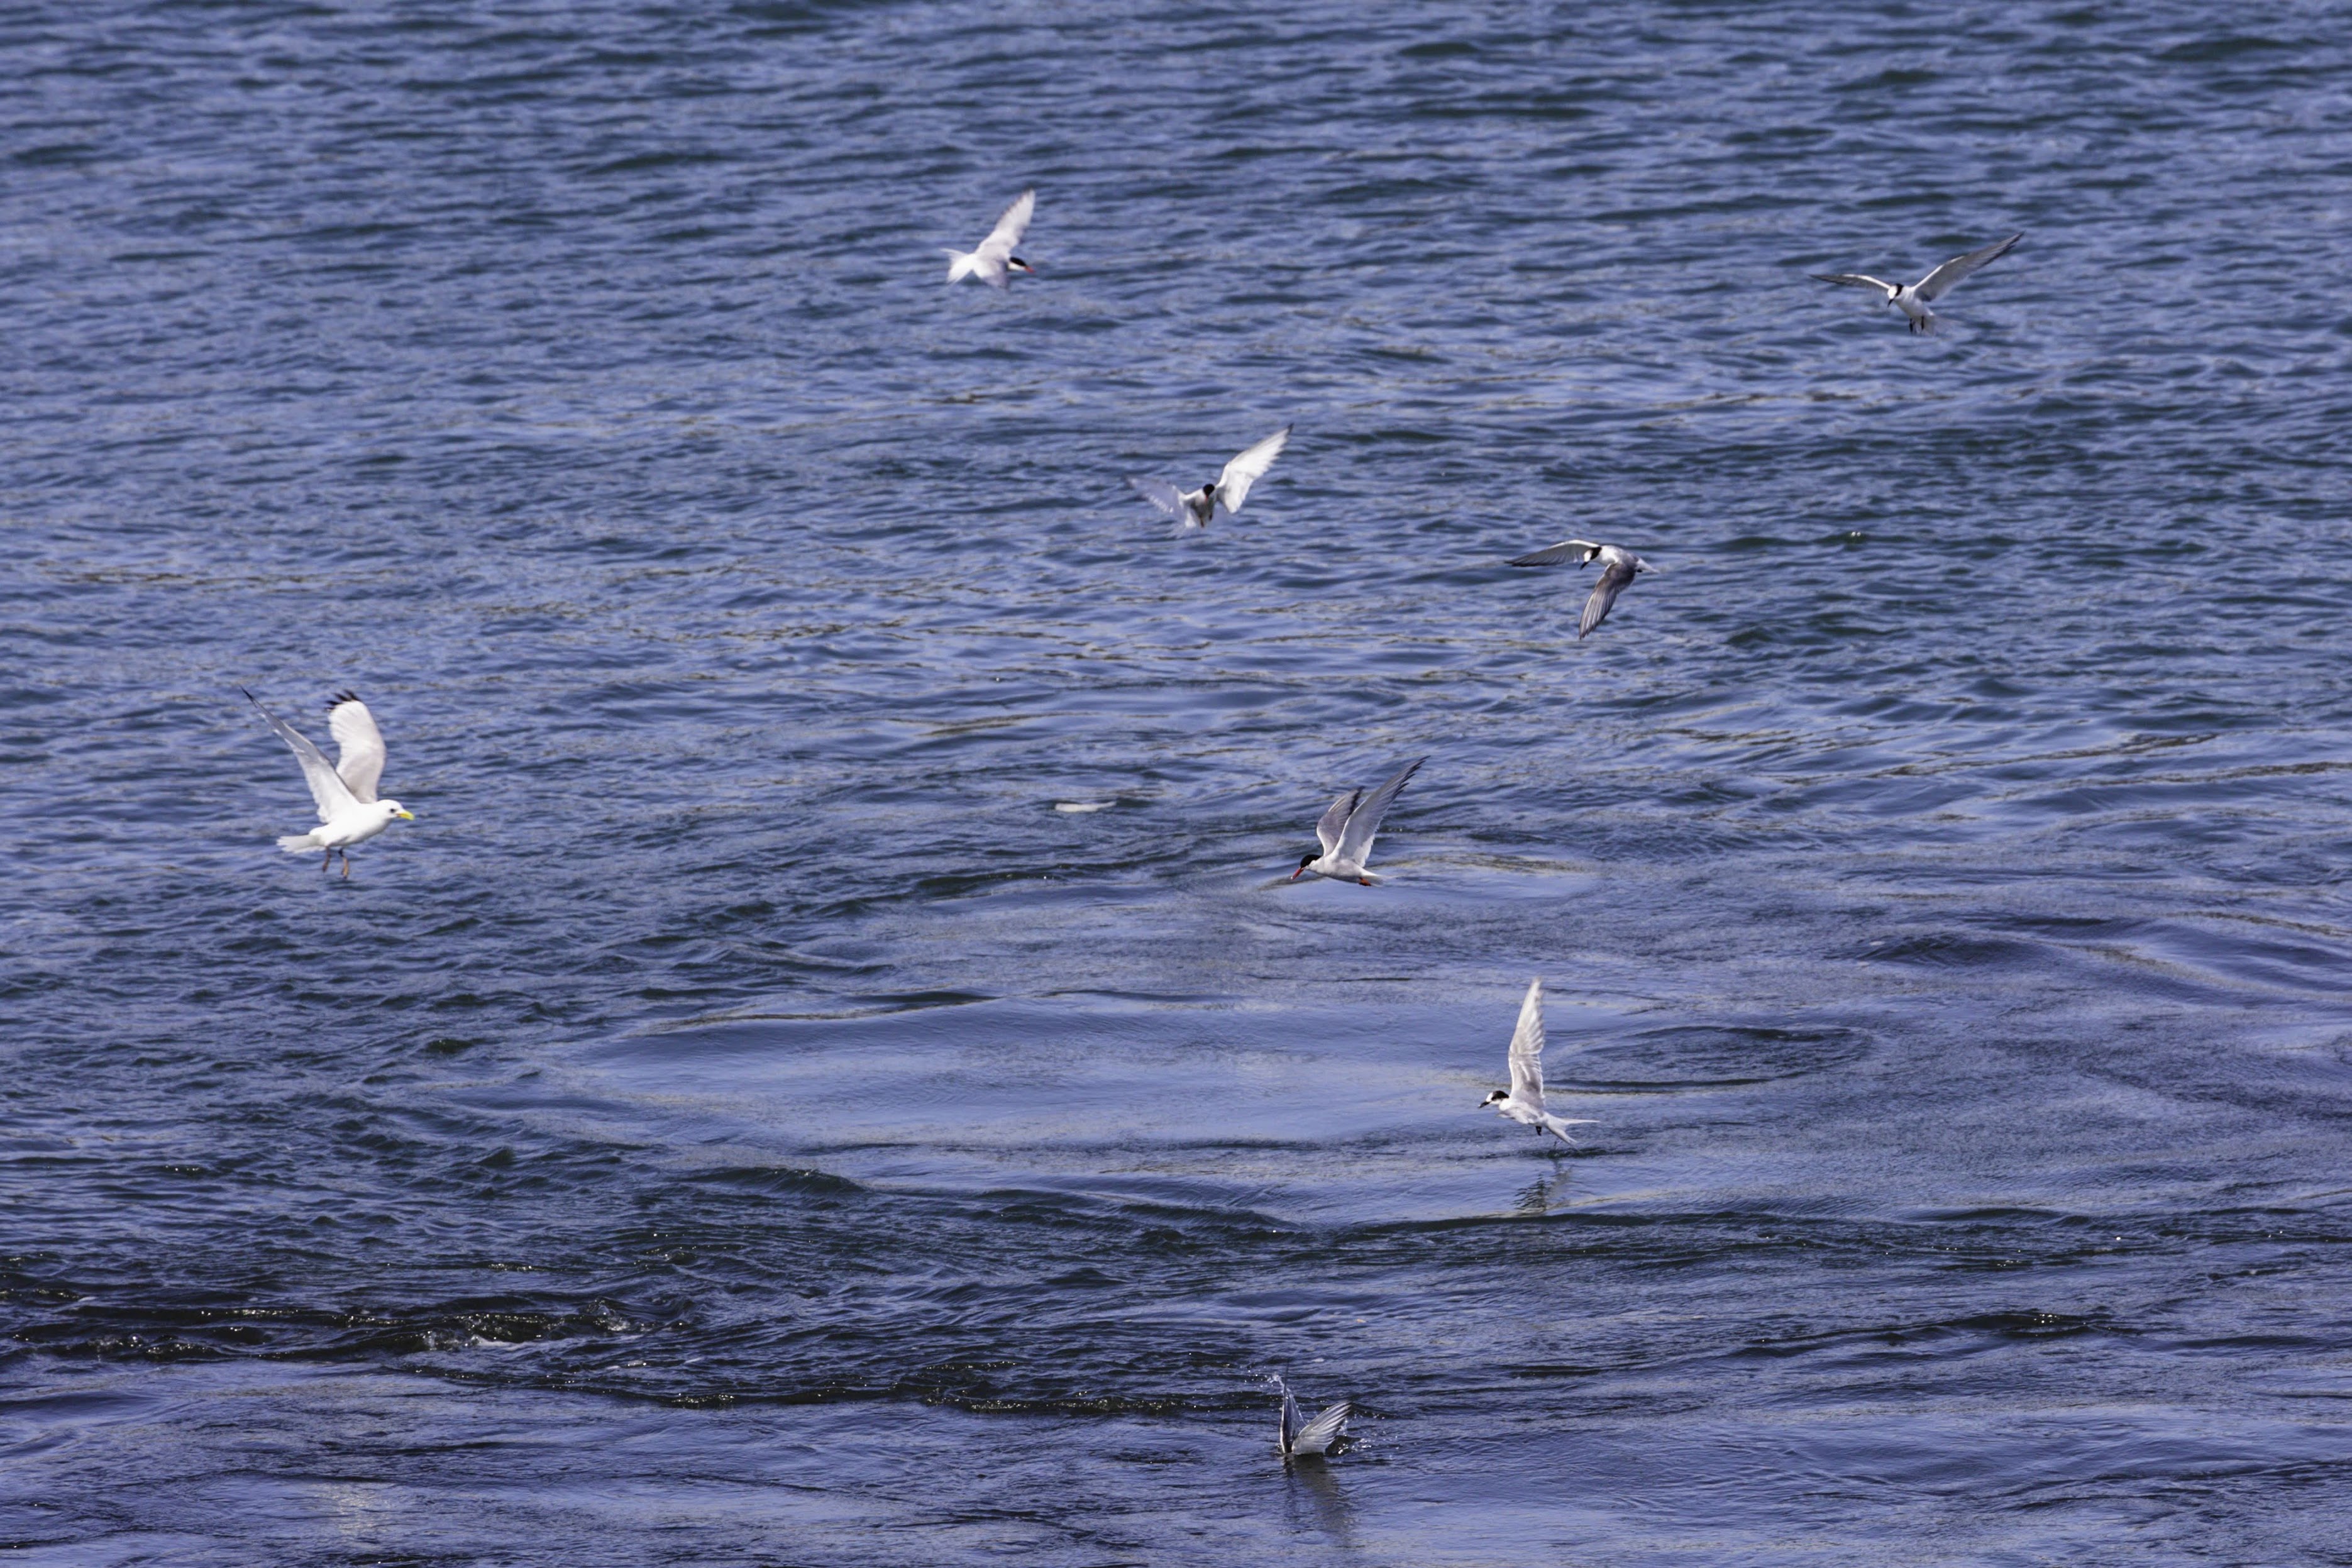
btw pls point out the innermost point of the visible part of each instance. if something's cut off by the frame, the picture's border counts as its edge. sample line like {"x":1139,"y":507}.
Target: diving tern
{"x":1197,"y":509}
{"x":1619,"y":566}
{"x":1304,"y":1439}
{"x":348,"y":812}
{"x":1347,"y":829}
{"x":994,"y":263}
{"x":1523,"y":1102}
{"x":1913,"y":299}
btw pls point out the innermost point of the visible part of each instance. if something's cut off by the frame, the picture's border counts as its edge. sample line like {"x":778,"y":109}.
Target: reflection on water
{"x":1316,"y":1484}
{"x":1536,"y":1199}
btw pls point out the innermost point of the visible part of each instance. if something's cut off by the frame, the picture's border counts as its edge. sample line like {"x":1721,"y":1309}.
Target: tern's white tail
{"x":961,"y":264}
{"x":300,"y":843}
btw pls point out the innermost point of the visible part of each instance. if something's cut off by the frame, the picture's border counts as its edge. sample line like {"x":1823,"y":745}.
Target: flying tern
{"x":1913,"y":299}
{"x":349,"y":811}
{"x":1619,"y":566}
{"x":1347,"y":829}
{"x":1197,"y":509}
{"x":1523,"y":1102}
{"x":1304,"y":1439}
{"x":994,"y":263}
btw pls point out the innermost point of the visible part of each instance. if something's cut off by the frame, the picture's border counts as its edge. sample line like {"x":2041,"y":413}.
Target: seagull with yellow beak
{"x":348,"y":812}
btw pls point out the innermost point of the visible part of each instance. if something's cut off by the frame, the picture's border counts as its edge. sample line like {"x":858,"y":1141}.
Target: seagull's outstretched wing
{"x":1167,"y":498}
{"x":1527,"y":1048}
{"x":1009,"y":228}
{"x":1940,"y":280}
{"x":1613,"y":578}
{"x":359,"y":745}
{"x":1576,"y":549}
{"x":1356,"y":837}
{"x":1246,"y":470}
{"x":327,"y":787}
{"x":1314,"y":1439}
{"x":1860,"y":279}
{"x":1335,"y":820}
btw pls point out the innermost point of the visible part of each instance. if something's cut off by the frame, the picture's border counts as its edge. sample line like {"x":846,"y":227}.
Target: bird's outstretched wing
{"x":1613,"y":578}
{"x":1860,"y":279}
{"x":1315,"y":1437}
{"x":1356,"y":837}
{"x":1248,"y":467}
{"x":1009,"y":228}
{"x":327,"y":787}
{"x":1940,"y":280}
{"x":1335,"y":820}
{"x":1576,"y":549}
{"x":1167,"y":498}
{"x":1527,"y":1048}
{"x":359,"y":745}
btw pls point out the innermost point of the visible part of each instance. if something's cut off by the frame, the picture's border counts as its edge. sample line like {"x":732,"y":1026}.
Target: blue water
{"x":742,"y":1120}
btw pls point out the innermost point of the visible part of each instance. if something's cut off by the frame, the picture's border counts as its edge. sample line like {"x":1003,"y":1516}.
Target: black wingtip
{"x":340,"y":698}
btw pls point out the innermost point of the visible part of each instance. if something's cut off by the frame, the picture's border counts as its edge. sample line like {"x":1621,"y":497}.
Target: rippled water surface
{"x":742,"y":1120}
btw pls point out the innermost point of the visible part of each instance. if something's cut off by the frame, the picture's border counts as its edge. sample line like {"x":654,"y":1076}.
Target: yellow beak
{"x":405,"y":816}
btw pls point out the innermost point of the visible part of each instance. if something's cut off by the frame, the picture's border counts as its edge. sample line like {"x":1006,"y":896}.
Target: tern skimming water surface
{"x":1913,"y":298}
{"x":994,"y":263}
{"x":348,"y":812}
{"x":1346,"y":828}
{"x":1196,"y":509}
{"x":1304,"y":1439}
{"x":1619,"y":566}
{"x":1523,"y":1102}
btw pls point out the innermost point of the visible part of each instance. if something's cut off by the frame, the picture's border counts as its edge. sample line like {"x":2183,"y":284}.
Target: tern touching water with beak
{"x":1913,"y":298}
{"x":994,"y":263}
{"x":1346,"y":828}
{"x":1304,"y":1439}
{"x":1618,"y":567}
{"x":348,"y":812}
{"x":1523,"y":1102}
{"x":1198,"y":509}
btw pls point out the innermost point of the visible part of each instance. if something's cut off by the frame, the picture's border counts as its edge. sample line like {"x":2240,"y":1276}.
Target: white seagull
{"x":1347,"y":829}
{"x":1196,"y":509}
{"x":994,"y":263}
{"x":348,"y":812}
{"x":1523,"y":1102}
{"x":1619,"y":566}
{"x":1304,"y":1439}
{"x":1913,"y":299}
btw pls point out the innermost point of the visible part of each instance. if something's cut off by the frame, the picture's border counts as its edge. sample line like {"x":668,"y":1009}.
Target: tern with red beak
{"x":994,"y":263}
{"x":1197,"y":509}
{"x":1346,"y":828}
{"x":1618,"y":567}
{"x":1913,"y":298}
{"x":1523,"y":1102}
